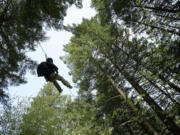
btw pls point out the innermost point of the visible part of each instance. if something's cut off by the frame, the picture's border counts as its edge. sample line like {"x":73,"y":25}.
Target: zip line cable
{"x":43,"y":51}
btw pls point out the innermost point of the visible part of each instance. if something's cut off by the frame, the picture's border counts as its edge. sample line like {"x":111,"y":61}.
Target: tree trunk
{"x":143,"y":122}
{"x":172,"y":85}
{"x":158,"y":9}
{"x":170,"y":124}
{"x":166,"y":94}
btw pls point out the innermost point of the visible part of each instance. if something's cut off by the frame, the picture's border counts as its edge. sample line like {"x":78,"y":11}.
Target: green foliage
{"x":11,"y":116}
{"x":107,"y":59}
{"x":53,"y":114}
{"x":163,"y":13}
{"x":91,"y":36}
{"x":130,"y":61}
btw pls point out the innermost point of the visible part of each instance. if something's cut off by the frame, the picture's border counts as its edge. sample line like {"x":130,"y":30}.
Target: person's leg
{"x":58,"y":77}
{"x":52,"y":77}
{"x":57,"y":86}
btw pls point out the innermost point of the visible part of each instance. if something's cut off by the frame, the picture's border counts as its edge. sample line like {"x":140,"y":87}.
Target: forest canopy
{"x":125,"y":63}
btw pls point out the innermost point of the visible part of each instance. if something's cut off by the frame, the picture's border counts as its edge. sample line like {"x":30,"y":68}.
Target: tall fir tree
{"x":125,"y":56}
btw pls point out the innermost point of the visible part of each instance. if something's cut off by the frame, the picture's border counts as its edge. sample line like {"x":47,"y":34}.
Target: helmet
{"x":49,"y":60}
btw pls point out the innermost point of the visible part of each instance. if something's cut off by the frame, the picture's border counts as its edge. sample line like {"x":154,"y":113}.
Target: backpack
{"x":42,"y":69}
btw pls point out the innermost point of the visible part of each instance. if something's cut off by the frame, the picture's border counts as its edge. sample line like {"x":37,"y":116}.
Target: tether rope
{"x":43,"y":51}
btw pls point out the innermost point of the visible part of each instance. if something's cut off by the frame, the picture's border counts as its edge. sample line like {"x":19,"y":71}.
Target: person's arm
{"x":55,"y":67}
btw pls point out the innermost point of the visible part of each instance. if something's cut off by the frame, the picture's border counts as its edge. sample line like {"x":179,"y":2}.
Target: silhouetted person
{"x":50,"y":73}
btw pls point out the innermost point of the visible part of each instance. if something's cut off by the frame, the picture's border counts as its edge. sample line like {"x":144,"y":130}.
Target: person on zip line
{"x":49,"y":71}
